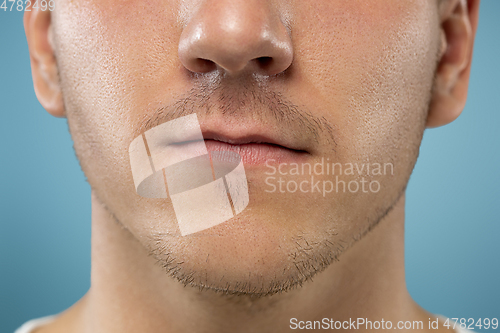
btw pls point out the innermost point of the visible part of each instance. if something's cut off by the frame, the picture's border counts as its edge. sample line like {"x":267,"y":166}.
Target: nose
{"x":235,"y":36}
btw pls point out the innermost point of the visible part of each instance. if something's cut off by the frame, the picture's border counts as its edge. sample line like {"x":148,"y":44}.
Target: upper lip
{"x":242,"y":131}
{"x":248,"y":133}
{"x":246,"y":139}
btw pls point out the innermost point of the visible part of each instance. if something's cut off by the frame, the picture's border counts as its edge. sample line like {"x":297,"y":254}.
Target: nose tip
{"x":235,"y":36}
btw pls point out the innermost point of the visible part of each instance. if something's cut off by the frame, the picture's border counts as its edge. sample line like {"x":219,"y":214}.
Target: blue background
{"x":452,"y":226}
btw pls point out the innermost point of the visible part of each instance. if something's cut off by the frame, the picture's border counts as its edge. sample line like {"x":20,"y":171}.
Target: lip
{"x":257,"y":153}
{"x":256,"y":143}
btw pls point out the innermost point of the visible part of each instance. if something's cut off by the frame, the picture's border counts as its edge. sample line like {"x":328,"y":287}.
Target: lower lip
{"x":258,"y":153}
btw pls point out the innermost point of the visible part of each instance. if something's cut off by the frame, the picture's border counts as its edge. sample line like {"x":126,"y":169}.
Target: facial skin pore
{"x":345,"y":81}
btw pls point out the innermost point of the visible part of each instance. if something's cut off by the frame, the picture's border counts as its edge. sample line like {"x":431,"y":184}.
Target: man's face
{"x":356,"y":92}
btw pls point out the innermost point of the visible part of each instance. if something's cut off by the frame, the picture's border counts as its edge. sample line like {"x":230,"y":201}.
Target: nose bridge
{"x":233,"y":35}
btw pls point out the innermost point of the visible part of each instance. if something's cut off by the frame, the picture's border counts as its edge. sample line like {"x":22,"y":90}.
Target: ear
{"x":37,"y":26}
{"x":458,"y":28}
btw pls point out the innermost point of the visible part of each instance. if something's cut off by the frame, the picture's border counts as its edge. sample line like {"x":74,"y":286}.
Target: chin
{"x":251,"y":254}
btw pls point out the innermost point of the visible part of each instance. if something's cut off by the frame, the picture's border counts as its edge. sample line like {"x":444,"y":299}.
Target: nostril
{"x":204,"y":65}
{"x":264,"y":62}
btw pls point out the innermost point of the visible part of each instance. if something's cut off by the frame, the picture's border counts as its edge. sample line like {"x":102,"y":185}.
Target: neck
{"x":130,"y":293}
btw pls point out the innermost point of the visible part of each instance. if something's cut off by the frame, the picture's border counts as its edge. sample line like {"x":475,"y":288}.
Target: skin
{"x":365,"y":77}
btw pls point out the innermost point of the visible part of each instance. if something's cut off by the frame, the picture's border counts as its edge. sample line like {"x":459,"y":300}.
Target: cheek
{"x":113,"y":65}
{"x":372,"y":63}
{"x":111,"y":59}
